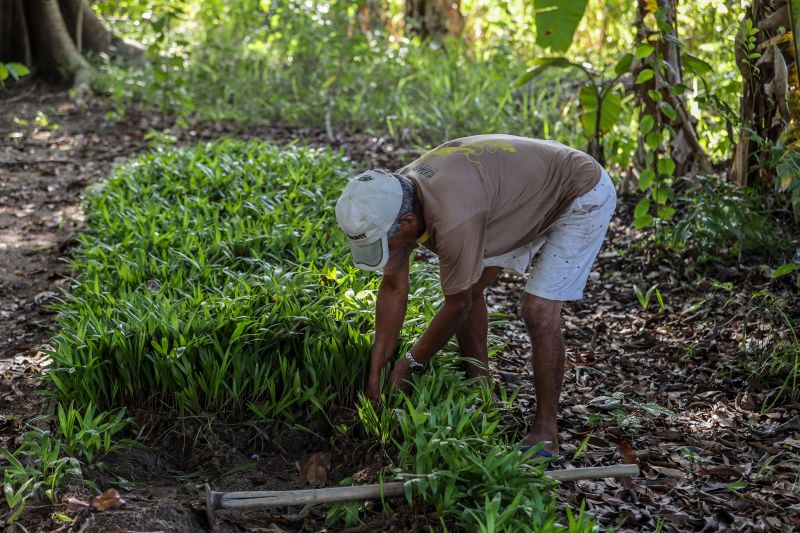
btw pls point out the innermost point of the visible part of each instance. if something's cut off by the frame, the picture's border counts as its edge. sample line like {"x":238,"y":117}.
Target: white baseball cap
{"x":366,"y":210}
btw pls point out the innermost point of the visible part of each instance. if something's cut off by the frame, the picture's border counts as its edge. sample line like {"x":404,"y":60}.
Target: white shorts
{"x":559,"y":260}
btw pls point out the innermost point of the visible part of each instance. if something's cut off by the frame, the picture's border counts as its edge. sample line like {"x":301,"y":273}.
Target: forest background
{"x":691,"y":106}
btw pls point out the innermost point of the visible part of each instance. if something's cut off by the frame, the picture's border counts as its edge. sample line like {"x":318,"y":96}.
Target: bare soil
{"x":717,"y":463}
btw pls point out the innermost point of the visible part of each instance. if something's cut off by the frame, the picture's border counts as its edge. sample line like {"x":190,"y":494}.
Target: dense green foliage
{"x":211,"y":281}
{"x":304,"y":64}
{"x":464,"y":464}
{"x":721,"y":220}
{"x":45,"y":461}
{"x":203,"y":285}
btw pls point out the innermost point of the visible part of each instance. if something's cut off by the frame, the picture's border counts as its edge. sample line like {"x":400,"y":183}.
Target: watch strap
{"x":415,"y":365}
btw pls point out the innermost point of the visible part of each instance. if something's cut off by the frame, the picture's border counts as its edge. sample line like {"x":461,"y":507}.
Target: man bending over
{"x":482,"y":204}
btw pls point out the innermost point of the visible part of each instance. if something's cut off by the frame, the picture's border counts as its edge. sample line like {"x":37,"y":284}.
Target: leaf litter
{"x":666,"y":390}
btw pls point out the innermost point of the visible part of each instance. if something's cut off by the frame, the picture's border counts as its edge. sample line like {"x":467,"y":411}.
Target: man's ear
{"x":407,"y":219}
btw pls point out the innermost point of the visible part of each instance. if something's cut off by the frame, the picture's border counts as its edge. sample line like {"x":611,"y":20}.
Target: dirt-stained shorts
{"x":558,"y":261}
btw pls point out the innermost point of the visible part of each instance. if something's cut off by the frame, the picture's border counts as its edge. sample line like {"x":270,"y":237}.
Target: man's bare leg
{"x":473,"y":332}
{"x":543,"y":319}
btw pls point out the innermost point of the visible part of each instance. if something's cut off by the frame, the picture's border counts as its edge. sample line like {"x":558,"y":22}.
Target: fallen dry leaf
{"x":315,"y":471}
{"x":627,"y":453}
{"x":110,"y":499}
{"x":669,"y":472}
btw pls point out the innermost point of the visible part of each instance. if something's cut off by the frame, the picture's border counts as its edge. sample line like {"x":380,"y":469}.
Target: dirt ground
{"x":664,"y":389}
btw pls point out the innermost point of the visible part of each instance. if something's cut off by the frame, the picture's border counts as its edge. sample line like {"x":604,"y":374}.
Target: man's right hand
{"x":373,"y":391}
{"x":390,"y":311}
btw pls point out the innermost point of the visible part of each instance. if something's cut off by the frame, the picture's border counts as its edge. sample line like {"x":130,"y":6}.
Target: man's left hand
{"x":401,"y":375}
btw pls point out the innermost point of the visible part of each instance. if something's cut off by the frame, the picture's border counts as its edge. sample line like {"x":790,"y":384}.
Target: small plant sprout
{"x":644,"y":297}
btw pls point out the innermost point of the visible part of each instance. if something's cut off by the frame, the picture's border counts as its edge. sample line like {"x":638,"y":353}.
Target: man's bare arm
{"x":390,"y":311}
{"x":443,"y":326}
{"x":447,"y":320}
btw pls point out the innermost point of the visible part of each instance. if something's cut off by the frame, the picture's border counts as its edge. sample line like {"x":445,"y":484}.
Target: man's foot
{"x":550,"y":441}
{"x":544,"y":454}
{"x":547,"y":447}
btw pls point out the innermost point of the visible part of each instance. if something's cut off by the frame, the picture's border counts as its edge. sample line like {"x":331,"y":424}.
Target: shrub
{"x":721,"y":219}
{"x":214,"y":279}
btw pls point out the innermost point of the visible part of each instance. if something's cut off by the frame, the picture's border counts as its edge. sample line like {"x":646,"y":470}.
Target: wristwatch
{"x":415,"y":366}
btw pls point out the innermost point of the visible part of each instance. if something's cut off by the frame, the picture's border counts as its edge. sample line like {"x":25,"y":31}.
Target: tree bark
{"x":764,"y":105}
{"x":15,"y":43}
{"x":55,"y":52}
{"x":434,"y":19}
{"x":48,"y":36}
{"x":97,"y":37}
{"x":685,"y":148}
{"x":370,"y":15}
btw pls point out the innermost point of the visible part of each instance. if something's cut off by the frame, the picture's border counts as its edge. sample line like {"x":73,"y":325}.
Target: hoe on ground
{"x":263,"y":499}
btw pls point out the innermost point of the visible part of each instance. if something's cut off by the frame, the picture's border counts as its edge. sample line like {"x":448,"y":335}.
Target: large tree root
{"x":50,"y":36}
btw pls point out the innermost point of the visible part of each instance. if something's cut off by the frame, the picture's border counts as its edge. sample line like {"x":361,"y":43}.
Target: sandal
{"x":543,"y":453}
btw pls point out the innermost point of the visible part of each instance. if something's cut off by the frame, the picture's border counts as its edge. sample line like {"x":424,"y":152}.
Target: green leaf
{"x":662,"y":194}
{"x":646,"y":179}
{"x":556,"y":22}
{"x":667,"y":70}
{"x":653,"y":140}
{"x":582,"y":447}
{"x":21,"y":69}
{"x":624,"y":64}
{"x":644,"y":50}
{"x":666,"y":213}
{"x":678,"y":89}
{"x":736,"y":485}
{"x":654,"y":95}
{"x":327,"y":83}
{"x":643,"y":221}
{"x":695,"y":65}
{"x":612,"y":108}
{"x":17,"y":70}
{"x":540,"y":65}
{"x":644,"y":75}
{"x":3,"y":72}
{"x":642,"y":208}
{"x":668,"y":110}
{"x":666,"y":166}
{"x":647,"y":124}
{"x":785,"y":269}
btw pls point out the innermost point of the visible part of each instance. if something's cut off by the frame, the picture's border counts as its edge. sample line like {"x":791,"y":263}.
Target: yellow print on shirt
{"x":473,"y":151}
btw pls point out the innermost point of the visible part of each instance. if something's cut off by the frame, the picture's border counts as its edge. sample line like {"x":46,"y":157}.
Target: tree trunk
{"x":14,"y":32}
{"x":45,"y":35}
{"x":96,"y":36}
{"x":371,"y":15}
{"x":54,"y":51}
{"x":685,"y":149}
{"x":764,"y":105}
{"x":434,"y":19}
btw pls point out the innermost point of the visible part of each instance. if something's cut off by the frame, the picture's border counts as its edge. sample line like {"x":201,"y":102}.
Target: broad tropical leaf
{"x":695,"y":65}
{"x":540,"y":65}
{"x":611,"y":109}
{"x":556,"y":22}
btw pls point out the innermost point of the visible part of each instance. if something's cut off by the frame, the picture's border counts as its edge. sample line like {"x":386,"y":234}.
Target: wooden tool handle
{"x":247,"y":499}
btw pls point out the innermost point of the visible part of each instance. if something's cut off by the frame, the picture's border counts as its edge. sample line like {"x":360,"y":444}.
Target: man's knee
{"x":541,"y":316}
{"x":476,"y":292}
{"x":487,"y":278}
